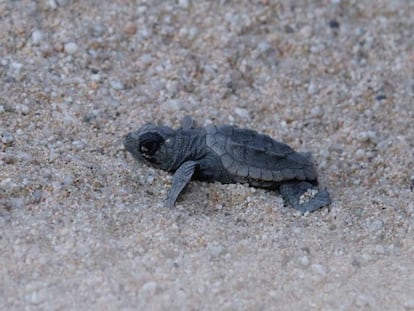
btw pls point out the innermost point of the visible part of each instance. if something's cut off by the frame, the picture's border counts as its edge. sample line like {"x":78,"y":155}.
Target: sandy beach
{"x":84,"y":226}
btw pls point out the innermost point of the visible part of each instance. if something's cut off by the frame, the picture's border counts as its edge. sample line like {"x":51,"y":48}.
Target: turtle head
{"x":151,"y":144}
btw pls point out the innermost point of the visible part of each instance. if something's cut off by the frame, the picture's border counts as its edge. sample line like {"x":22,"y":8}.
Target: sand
{"x":83,"y":225}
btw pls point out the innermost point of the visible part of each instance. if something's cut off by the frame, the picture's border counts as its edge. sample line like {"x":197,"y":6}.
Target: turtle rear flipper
{"x":187,"y":123}
{"x":304,"y":196}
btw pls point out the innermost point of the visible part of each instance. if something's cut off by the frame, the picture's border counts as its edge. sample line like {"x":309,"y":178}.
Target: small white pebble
{"x":52,"y":4}
{"x":173,"y":104}
{"x":215,"y":250}
{"x":7,"y":138}
{"x":24,"y":109}
{"x":117,"y":85}
{"x":17,"y":202}
{"x":242,"y":113}
{"x":68,"y":180}
{"x":409,"y":304}
{"x":319,"y":269}
{"x":71,"y":47}
{"x":149,"y":288}
{"x":379,"y":249}
{"x":16,"y":66}
{"x":366,"y":257}
{"x":317,"y":112}
{"x":78,"y":144}
{"x":359,"y":154}
{"x":45,"y":48}
{"x":7,"y":184}
{"x":33,"y":298}
{"x":306,"y":31}
{"x":98,"y":29}
{"x":96,"y":77}
{"x":364,"y":300}
{"x":376,"y":225}
{"x":367,"y":136}
{"x":312,"y":88}
{"x":141,"y":9}
{"x":150,"y":179}
{"x":184,"y":3}
{"x":37,"y":37}
{"x":146,"y":59}
{"x":263,"y":46}
{"x":62,"y":2}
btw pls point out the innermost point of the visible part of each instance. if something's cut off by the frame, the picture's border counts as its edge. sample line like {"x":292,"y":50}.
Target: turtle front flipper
{"x":180,"y":179}
{"x":304,"y":196}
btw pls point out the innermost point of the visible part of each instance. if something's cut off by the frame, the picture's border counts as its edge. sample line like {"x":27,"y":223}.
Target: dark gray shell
{"x":248,"y":154}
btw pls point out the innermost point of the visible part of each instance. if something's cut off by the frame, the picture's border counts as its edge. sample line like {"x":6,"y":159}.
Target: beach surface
{"x":84,"y":226}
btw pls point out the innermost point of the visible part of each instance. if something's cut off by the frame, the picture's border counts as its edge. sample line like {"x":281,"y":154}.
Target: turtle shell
{"x":249,"y":155}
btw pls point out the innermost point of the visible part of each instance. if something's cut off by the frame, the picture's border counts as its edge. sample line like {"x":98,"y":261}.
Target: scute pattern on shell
{"x":246,"y":153}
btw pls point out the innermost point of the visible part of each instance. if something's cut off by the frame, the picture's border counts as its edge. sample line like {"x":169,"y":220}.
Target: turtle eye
{"x":149,"y":144}
{"x":148,"y":148}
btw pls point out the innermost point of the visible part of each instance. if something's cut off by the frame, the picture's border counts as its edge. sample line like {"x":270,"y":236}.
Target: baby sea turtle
{"x":228,"y":154}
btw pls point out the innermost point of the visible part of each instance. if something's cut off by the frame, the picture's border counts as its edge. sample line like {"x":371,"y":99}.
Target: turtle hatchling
{"x":228,"y":154}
